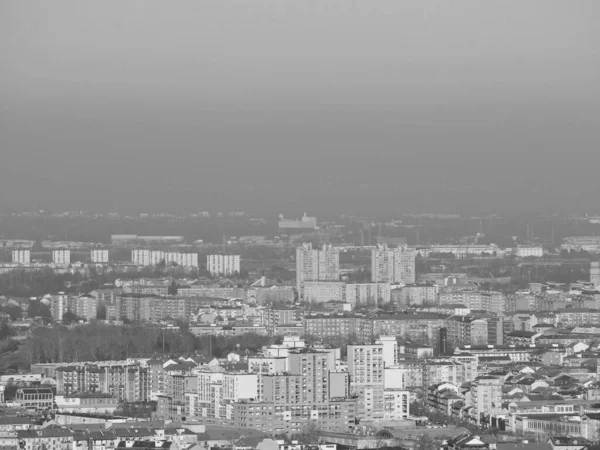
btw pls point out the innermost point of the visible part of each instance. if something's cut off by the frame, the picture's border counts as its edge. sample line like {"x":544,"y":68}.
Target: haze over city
{"x":288,"y":106}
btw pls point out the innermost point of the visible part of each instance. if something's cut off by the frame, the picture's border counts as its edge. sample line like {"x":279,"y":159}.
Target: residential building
{"x":316,"y":265}
{"x":529,"y":251}
{"x":486,"y":397}
{"x":418,"y":294}
{"x":223,"y":264}
{"x":99,"y":255}
{"x":390,"y":350}
{"x":61,"y":257}
{"x":21,"y":256}
{"x":467,"y":330}
{"x":59,"y":305}
{"x":365,"y":367}
{"x":395,"y":265}
{"x":84,"y":306}
{"x":343,"y":326}
{"x":367,"y":295}
{"x":323,"y":291}
{"x":594,"y":274}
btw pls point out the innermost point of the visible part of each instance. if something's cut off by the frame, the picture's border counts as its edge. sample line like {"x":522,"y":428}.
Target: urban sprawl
{"x":302,"y":340}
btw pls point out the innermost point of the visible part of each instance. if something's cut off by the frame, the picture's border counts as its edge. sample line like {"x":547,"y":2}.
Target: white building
{"x":59,"y":305}
{"x":390,"y":350}
{"x":418,"y":294}
{"x":99,"y":255}
{"x":61,"y":257}
{"x":396,"y":404}
{"x":324,"y":291}
{"x":367,"y":294}
{"x":529,"y":251}
{"x":595,"y":274}
{"x":223,"y":264}
{"x":21,"y":256}
{"x":316,"y":265}
{"x":365,"y":368}
{"x":464,"y":250}
{"x":181,"y":259}
{"x":140,"y":257}
{"x":240,"y":386}
{"x":396,"y":265}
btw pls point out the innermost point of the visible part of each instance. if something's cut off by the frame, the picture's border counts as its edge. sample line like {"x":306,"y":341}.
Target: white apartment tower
{"x":140,"y":257}
{"x":595,"y":274}
{"x":393,"y":265}
{"x":223,"y":264}
{"x":365,"y":367}
{"x":21,"y":256}
{"x":316,"y":265}
{"x":61,"y":257}
{"x":99,"y":255}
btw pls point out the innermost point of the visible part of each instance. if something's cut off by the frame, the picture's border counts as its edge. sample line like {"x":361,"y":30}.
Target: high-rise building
{"x":59,"y":305}
{"x":390,"y":350}
{"x":223,"y":264}
{"x":316,"y":265}
{"x":486,"y":397}
{"x":595,"y":274}
{"x":99,"y":255}
{"x":85,"y":306}
{"x":365,"y":367}
{"x":61,"y":257}
{"x":396,"y":265}
{"x":312,"y":367}
{"x":21,"y":256}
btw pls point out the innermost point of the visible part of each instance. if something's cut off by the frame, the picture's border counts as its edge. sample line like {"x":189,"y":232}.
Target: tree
{"x":310,"y":433}
{"x":69,"y":318}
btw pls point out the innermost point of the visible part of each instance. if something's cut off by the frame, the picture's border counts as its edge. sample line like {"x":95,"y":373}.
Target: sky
{"x":279,"y":105}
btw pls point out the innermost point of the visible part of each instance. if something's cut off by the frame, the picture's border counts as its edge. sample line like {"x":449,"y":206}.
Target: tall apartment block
{"x":99,"y":255}
{"x":144,"y":257}
{"x":223,"y":264}
{"x":21,"y":256}
{"x":365,"y":367}
{"x":61,"y":256}
{"x":393,"y":265}
{"x":316,"y":265}
{"x":595,"y":274}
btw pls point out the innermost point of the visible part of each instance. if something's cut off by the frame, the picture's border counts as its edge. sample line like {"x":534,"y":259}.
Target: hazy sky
{"x":299,"y":105}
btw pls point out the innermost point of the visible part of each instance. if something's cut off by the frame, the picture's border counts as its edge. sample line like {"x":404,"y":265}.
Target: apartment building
{"x":225,"y":265}
{"x":486,"y":397}
{"x":323,"y":291}
{"x":275,"y":317}
{"x":420,"y":327}
{"x":417,"y":295}
{"x":467,"y":330}
{"x":61,"y":257}
{"x":99,"y":255}
{"x":367,"y":295}
{"x":125,"y":381}
{"x":21,"y":256}
{"x":316,"y":265}
{"x":529,"y":251}
{"x":273,"y":294}
{"x":59,"y":306}
{"x":344,"y":326}
{"x":573,"y":317}
{"x":396,"y":265}
{"x":365,"y":368}
{"x":84,"y":306}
